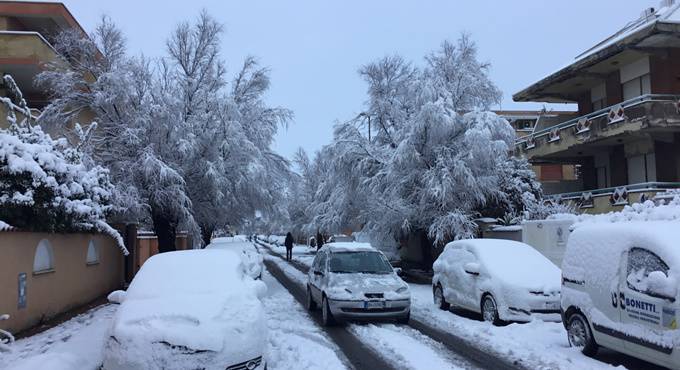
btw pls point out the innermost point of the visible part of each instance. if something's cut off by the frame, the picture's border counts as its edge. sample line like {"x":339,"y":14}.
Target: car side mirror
{"x":399,"y":271}
{"x":116,"y":297}
{"x":662,"y":286}
{"x":472,"y":268}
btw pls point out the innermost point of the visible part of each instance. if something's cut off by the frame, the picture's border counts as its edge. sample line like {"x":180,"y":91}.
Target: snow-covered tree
{"x":186,"y":147}
{"x":434,"y":159}
{"x":44,"y":184}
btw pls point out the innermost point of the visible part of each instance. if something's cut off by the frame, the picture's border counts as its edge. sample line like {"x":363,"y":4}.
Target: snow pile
{"x":405,"y":347}
{"x":187,"y":301}
{"x":536,"y":345}
{"x":647,"y":211}
{"x":75,"y":344}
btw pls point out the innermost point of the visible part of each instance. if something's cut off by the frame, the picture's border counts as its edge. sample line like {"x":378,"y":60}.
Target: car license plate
{"x":374,"y":305}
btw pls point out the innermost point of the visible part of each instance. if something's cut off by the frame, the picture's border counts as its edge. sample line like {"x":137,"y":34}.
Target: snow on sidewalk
{"x":75,"y":344}
{"x":537,"y":344}
{"x":405,"y":347}
{"x":295,"y":342}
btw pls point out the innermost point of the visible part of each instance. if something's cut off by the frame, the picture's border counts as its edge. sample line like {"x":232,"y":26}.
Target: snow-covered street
{"x":297,"y":341}
{"x":537,"y":344}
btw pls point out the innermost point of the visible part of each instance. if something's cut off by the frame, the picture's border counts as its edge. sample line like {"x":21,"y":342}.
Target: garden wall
{"x":43,"y":275}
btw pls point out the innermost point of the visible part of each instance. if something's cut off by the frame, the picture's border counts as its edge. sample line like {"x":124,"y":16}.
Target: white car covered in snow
{"x":191,"y":309}
{"x":621,"y":289}
{"x":354,"y":281}
{"x":253,"y":262}
{"x":503,"y":280}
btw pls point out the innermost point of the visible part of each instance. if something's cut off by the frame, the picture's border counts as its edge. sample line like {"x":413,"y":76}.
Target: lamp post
{"x":363,"y":114}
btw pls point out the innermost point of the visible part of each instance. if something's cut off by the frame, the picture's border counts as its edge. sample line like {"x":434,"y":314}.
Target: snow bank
{"x":75,"y":344}
{"x":536,"y":345}
{"x":647,"y":211}
{"x":405,"y":347}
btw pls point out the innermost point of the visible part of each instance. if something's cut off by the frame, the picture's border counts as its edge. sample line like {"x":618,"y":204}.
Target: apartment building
{"x":624,"y":141}
{"x":27,"y":32}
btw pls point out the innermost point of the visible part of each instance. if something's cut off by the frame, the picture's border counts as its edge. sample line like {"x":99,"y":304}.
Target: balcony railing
{"x":582,"y":125}
{"x":618,"y":196}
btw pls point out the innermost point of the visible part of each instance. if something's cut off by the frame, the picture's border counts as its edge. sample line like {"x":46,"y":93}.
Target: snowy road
{"x":400,"y":346}
{"x":534,"y":345}
{"x":295,"y":341}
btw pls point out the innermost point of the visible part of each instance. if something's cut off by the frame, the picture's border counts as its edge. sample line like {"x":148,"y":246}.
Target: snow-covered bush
{"x":44,"y":185}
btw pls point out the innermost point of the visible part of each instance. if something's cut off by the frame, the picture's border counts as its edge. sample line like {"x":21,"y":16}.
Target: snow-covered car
{"x":503,"y":280}
{"x":253,"y":262}
{"x":341,"y":238}
{"x":354,"y":281}
{"x":191,"y":309}
{"x":621,"y":289}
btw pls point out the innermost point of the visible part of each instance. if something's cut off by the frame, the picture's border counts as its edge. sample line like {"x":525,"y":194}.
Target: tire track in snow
{"x":359,"y":355}
{"x":407,"y":348}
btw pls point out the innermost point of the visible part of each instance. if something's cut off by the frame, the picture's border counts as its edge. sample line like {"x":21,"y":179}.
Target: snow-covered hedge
{"x":661,"y":210}
{"x":44,"y":185}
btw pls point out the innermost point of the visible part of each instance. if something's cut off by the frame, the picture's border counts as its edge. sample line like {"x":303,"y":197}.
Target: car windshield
{"x":360,"y":262}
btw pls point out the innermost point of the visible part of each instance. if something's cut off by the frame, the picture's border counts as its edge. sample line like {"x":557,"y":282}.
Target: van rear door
{"x":647,"y":313}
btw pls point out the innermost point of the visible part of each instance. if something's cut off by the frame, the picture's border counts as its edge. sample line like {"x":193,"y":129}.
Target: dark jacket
{"x":289,"y":241}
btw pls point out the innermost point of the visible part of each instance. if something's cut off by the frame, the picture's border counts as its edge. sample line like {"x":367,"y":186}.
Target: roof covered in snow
{"x":654,"y":27}
{"x":349,"y":247}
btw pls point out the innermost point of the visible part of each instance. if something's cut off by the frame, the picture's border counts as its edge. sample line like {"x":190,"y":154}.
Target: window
{"x":598,"y":96}
{"x":641,"y":263}
{"x":637,"y":87}
{"x":361,"y":262}
{"x":44,"y":257}
{"x":92,"y":253}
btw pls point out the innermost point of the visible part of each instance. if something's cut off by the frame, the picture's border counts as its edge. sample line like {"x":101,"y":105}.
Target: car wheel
{"x":579,"y":334}
{"x":326,"y":314}
{"x":311,"y":305}
{"x":490,"y":310}
{"x":439,"y":299}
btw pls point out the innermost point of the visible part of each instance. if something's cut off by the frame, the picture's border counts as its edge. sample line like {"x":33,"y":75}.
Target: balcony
{"x":651,"y":112}
{"x":23,"y":55}
{"x":614,"y":198}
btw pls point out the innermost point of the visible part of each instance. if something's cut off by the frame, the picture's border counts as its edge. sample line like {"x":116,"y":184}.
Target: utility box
{"x":548,"y":237}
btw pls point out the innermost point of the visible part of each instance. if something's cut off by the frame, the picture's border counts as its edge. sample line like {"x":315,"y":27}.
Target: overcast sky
{"x":314,"y":48}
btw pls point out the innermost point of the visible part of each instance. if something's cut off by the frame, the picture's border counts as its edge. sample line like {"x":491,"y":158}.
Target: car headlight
{"x":403,"y":289}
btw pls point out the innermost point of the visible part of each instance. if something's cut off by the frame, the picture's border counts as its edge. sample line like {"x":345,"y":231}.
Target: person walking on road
{"x":289,"y":246}
{"x":319,"y":240}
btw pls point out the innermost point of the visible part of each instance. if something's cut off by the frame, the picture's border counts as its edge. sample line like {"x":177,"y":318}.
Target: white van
{"x":620,"y":289}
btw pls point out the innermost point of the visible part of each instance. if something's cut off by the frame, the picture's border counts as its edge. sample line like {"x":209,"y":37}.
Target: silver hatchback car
{"x":354,"y":281}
